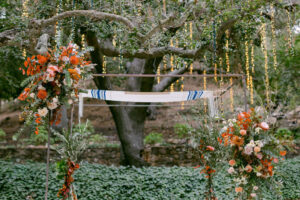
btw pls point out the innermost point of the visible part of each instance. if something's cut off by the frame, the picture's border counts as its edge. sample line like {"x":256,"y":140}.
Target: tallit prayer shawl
{"x":147,"y":97}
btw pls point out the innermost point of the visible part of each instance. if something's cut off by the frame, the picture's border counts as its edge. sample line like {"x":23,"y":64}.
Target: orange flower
{"x":236,"y":140}
{"x":232,"y":162}
{"x":238,"y":189}
{"x":243,"y":132}
{"x":210,"y":148}
{"x":74,"y":74}
{"x":24,"y":94}
{"x":282,"y":153}
{"x":42,"y":94}
{"x":248,"y":168}
{"x":42,"y":59}
{"x":36,"y":130}
{"x":74,"y":60}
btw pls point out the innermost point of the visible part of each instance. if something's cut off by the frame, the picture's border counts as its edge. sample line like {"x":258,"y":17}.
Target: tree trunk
{"x":129,"y":121}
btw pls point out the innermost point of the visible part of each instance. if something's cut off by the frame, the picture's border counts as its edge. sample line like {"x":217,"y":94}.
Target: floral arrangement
{"x":253,"y":151}
{"x":53,"y":81}
{"x":205,"y":144}
{"x":68,"y":188}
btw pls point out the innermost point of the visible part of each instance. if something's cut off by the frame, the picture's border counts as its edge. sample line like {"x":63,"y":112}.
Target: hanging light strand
{"x":228,"y":69}
{"x":172,"y":66}
{"x":265,"y":52}
{"x":247,"y":64}
{"x":252,"y":57}
{"x":273,"y":36}
{"x":215,"y":51}
{"x":191,"y":37}
{"x":290,"y":47}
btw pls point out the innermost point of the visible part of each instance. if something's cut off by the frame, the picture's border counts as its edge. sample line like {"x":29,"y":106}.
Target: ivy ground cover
{"x":94,"y":181}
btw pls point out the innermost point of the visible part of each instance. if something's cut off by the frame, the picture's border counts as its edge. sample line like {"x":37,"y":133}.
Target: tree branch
{"x":85,"y":13}
{"x":166,"y":82}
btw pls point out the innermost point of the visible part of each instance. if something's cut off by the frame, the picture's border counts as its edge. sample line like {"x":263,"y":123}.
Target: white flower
{"x":78,"y":70}
{"x":52,"y":105}
{"x":231,"y":124}
{"x":251,"y":143}
{"x":255,"y":188}
{"x":70,"y":101}
{"x":258,"y":174}
{"x":253,"y":195}
{"x":41,"y":87}
{"x":224,"y":122}
{"x":259,"y":143}
{"x":230,"y":170}
{"x":257,"y":130}
{"x":55,"y":100}
{"x":32,"y":95}
{"x":234,"y":120}
{"x":43,"y":112}
{"x":248,"y":149}
{"x":65,"y":59}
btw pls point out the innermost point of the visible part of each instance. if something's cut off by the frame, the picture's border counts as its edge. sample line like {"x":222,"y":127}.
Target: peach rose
{"x":248,"y":168}
{"x":232,"y":162}
{"x":256,"y":149}
{"x":243,"y":132}
{"x":264,"y":126}
{"x":238,"y":189}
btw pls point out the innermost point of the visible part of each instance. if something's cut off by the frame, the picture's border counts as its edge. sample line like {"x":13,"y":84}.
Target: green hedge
{"x":93,"y":181}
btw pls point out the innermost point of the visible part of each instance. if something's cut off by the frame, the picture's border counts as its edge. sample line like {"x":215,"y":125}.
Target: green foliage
{"x":10,"y":76}
{"x":73,"y":144}
{"x":154,"y":138}
{"x":93,"y":182}
{"x":283,"y":133}
{"x":97,"y":138}
{"x":182,"y":130}
{"x":2,"y":135}
{"x":39,"y":139}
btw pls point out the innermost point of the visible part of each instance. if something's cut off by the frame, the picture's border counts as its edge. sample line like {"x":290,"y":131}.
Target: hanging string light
{"x":25,"y":13}
{"x":247,"y":64}
{"x":215,"y":51}
{"x":252,"y":57}
{"x":191,"y":37}
{"x":24,"y":16}
{"x":172,"y":66}
{"x":252,"y":73}
{"x":273,"y":36}
{"x":204,"y":86}
{"x":83,"y":42}
{"x":251,"y":91}
{"x":228,"y":69}
{"x":104,"y":65}
{"x":265,"y":52}
{"x":221,"y":82}
{"x":289,"y":31}
{"x":158,"y":73}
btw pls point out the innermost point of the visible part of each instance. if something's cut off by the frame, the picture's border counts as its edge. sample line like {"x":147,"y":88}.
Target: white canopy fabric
{"x":147,"y":97}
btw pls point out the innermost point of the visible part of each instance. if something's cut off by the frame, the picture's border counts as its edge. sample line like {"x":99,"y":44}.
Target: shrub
{"x":2,"y":135}
{"x":182,"y":130}
{"x":94,"y":181}
{"x":153,"y":138}
{"x":98,"y":138}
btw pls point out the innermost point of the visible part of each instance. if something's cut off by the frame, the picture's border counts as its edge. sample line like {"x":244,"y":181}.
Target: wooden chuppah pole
{"x":48,"y":157}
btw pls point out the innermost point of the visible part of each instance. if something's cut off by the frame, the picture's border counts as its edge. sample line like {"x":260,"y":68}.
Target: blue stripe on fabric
{"x":98,"y":94}
{"x":92,"y":93}
{"x":195,"y":95}
{"x":104,"y":94}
